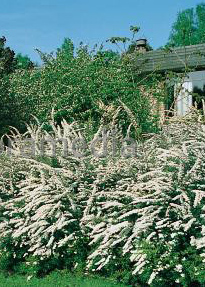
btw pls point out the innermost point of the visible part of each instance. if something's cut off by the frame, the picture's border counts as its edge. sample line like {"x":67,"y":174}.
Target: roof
{"x":172,"y":59}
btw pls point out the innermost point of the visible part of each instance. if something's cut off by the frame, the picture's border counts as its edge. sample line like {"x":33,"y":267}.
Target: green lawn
{"x":57,"y":279}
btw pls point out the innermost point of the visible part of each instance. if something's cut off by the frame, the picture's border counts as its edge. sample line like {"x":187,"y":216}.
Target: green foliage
{"x":114,"y":40}
{"x":184,"y":260}
{"x":189,"y":28}
{"x":7,"y":60}
{"x":23,"y":62}
{"x":8,"y":64}
{"x":74,"y":84}
{"x":11,"y":256}
{"x":134,"y":29}
{"x":7,"y":106}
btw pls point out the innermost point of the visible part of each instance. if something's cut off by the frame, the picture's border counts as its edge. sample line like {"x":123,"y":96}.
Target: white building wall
{"x":183,"y":98}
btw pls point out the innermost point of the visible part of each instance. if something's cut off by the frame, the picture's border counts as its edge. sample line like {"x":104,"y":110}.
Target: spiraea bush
{"x":155,"y":214}
{"x":139,"y":218}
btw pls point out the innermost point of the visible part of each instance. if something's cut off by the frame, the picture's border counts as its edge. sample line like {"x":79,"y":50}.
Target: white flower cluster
{"x":154,"y":199}
{"x":158,"y":199}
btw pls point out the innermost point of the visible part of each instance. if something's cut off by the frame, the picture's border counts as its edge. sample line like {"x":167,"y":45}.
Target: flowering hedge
{"x":145,"y":213}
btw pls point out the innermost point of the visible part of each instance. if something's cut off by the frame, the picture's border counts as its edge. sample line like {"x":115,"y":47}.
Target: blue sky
{"x":43,"y":24}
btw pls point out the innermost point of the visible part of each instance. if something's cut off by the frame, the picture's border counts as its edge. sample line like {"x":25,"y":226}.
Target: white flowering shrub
{"x":141,"y":217}
{"x":41,"y":201}
{"x":151,"y":209}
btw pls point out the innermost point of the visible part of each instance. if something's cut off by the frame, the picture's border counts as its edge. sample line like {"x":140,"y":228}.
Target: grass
{"x":57,"y":279}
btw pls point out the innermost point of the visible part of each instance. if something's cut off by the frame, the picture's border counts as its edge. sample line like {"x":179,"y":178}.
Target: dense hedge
{"x":76,"y":83}
{"x":140,"y":219}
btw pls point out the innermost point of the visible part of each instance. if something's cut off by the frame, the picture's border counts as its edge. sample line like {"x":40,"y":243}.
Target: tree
{"x":7,"y":66}
{"x":189,"y":28}
{"x":9,"y":63}
{"x":76,"y":83}
{"x":23,"y":62}
{"x":67,"y":49}
{"x":7,"y":60}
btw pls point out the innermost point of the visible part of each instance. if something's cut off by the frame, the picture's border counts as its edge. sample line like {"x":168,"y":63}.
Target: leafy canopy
{"x":74,"y":82}
{"x":7,"y":61}
{"x":189,"y":28}
{"x":23,"y":62}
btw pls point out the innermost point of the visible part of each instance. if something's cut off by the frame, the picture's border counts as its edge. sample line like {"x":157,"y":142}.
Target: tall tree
{"x":7,"y":60}
{"x":7,"y":65}
{"x":189,"y":28}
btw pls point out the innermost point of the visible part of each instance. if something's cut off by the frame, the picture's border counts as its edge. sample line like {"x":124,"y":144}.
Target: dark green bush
{"x":80,"y":85}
